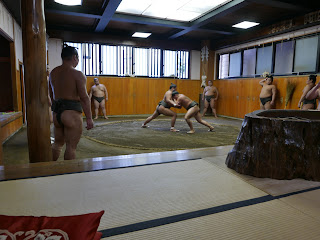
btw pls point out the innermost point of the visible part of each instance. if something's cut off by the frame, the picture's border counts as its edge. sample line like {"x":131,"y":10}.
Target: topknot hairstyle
{"x":172,"y":86}
{"x":313,"y":78}
{"x":68,"y":52}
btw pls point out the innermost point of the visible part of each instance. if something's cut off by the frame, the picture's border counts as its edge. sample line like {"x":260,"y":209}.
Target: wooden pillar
{"x":1,"y":157}
{"x":36,"y":86}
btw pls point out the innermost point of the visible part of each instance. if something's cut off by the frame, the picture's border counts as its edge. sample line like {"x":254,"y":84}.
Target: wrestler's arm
{"x":168,"y":97}
{"x":304,"y":93}
{"x":90,"y":94}
{"x":274,"y":91}
{"x":50,"y":93}
{"x":81,"y":82}
{"x":262,"y":82}
{"x":313,"y":93}
{"x":106,"y":93}
{"x":217,"y":94}
{"x":204,"y":92}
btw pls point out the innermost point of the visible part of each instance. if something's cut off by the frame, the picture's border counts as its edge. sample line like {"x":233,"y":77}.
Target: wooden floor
{"x":32,"y":170}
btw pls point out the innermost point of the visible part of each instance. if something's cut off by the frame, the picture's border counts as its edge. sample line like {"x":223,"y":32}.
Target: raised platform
{"x":9,"y":124}
{"x":279,"y":144}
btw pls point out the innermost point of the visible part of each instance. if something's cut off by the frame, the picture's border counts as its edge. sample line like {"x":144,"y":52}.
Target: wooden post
{"x":1,"y":161}
{"x":36,"y":86}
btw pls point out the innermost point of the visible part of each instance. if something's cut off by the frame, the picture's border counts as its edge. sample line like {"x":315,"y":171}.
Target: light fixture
{"x":141,"y":35}
{"x":69,"y":2}
{"x":177,"y":10}
{"x":245,"y":24}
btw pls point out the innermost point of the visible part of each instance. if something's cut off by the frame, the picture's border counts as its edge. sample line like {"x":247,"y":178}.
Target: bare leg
{"x":206,"y":105}
{"x":96,"y":108}
{"x":149,"y":119}
{"x":203,"y":122}
{"x":103,"y":107}
{"x":261,"y":106}
{"x":212,"y":103}
{"x":59,"y":139}
{"x":267,"y":106}
{"x":168,"y":112}
{"x":190,"y":113}
{"x":72,"y":132}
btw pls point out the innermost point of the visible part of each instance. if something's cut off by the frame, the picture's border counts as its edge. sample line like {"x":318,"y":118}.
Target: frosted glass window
{"x":264,"y":60}
{"x":249,"y":62}
{"x":306,"y":54}
{"x":109,"y":55}
{"x":235,"y":65}
{"x":141,"y":60}
{"x":284,"y":57}
{"x":224,"y":66}
{"x":124,"y":61}
{"x":176,"y":64}
{"x":183,"y":64}
{"x":154,"y":65}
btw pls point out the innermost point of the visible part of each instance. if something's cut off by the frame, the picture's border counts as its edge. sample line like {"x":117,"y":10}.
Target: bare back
{"x":184,"y":101}
{"x":63,"y":81}
{"x":168,"y":97}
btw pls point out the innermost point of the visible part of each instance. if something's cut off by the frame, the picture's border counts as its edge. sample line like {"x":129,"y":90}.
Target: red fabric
{"x":77,"y":227}
{"x":97,"y":236}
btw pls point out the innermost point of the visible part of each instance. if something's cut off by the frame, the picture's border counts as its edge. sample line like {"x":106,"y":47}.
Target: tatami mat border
{"x":200,"y":213}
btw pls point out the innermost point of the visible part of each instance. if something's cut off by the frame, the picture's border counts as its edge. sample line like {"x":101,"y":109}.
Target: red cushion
{"x":97,"y":236}
{"x":77,"y":227}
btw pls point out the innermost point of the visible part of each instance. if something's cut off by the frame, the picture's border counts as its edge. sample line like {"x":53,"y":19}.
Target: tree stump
{"x":279,"y":144}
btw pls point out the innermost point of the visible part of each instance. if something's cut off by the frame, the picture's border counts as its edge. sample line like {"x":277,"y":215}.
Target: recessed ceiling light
{"x":69,"y":2}
{"x":141,"y":35}
{"x":245,"y":24}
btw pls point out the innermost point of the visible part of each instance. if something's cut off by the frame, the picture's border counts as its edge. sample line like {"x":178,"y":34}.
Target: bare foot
{"x":211,"y":129}
{"x":174,"y":130}
{"x":191,"y":132}
{"x":96,"y":118}
{"x":106,"y":117}
{"x":144,"y":126}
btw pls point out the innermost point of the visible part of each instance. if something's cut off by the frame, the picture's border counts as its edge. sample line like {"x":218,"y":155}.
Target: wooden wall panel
{"x":130,"y":96}
{"x":238,"y":97}
{"x":10,"y":128}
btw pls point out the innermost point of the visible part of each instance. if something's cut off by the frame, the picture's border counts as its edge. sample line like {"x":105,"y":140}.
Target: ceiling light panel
{"x":69,"y":2}
{"x":141,"y":35}
{"x":179,"y":10}
{"x":245,"y":25}
{"x":203,"y":6}
{"x":134,"y":6}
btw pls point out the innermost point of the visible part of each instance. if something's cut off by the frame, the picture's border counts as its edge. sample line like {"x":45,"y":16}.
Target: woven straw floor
{"x":196,"y":199}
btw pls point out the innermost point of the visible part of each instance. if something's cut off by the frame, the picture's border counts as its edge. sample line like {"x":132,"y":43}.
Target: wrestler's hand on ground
{"x":89,"y":123}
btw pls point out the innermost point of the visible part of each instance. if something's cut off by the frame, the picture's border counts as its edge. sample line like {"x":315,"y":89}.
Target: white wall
{"x":195,"y":65}
{"x":54,"y":52}
{"x":6,"y":22}
{"x":18,"y":44}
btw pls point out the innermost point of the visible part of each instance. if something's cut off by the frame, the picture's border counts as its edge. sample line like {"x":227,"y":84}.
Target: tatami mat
{"x":272,"y":220}
{"x":196,"y":199}
{"x":273,"y":187}
{"x":128,"y":195}
{"x":308,"y":203}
